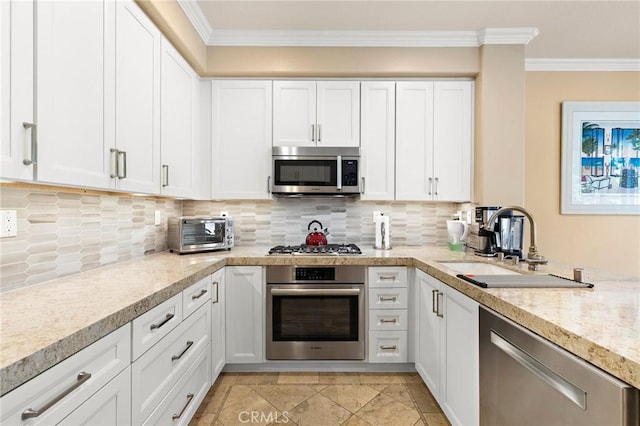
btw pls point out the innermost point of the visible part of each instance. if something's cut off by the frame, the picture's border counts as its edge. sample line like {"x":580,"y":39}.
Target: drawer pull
{"x":391,"y":321}
{"x":387,"y":277}
{"x":199,"y":295}
{"x":177,"y":416}
{"x":177,"y":357}
{"x":30,"y":413}
{"x":163,"y":322}
{"x":388,"y":299}
{"x":389,"y":348}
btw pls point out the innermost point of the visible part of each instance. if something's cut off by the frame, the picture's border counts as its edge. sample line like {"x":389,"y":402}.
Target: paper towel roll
{"x":383,"y":236}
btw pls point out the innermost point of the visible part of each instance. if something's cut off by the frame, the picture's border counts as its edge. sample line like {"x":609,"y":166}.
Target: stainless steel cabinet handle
{"x":319,"y":138}
{"x":217,"y":284}
{"x":189,"y":398}
{"x":387,"y":321}
{"x":434,"y":294}
{"x":388,"y":299}
{"x":177,"y":357}
{"x":30,"y":413}
{"x":550,"y":377}
{"x":113,"y":166}
{"x":163,"y":322}
{"x":34,"y":142}
{"x":438,"y":299}
{"x":199,"y":295}
{"x":362,"y":192}
{"x":165,"y":175}
{"x":387,"y":277}
{"x":430,"y":185}
{"x":122,"y":164}
{"x":389,"y":348}
{"x":268,"y":184}
{"x":313,"y":133}
{"x":436,"y":191}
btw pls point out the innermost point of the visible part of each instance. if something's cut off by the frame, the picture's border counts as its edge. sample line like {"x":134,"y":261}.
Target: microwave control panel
{"x":350,"y":172}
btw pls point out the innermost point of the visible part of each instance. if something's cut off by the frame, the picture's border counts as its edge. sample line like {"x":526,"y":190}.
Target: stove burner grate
{"x":328,"y":249}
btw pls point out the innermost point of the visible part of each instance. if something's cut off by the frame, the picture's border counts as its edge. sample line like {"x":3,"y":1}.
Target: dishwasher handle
{"x":550,"y":377}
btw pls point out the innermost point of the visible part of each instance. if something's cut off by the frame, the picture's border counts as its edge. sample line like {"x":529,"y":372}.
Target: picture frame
{"x":600,"y":158}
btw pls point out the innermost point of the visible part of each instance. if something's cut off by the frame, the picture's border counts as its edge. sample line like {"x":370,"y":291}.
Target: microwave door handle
{"x":339,"y":171}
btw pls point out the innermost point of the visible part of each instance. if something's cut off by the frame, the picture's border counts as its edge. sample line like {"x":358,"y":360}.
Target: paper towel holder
{"x":382,"y":234}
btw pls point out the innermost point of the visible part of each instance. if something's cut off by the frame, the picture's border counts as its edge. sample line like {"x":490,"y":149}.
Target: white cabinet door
{"x":241,"y":139}
{"x":16,"y":89}
{"x":338,"y":113}
{"x":294,"y":113}
{"x":137,"y":100}
{"x":414,"y":141}
{"x":309,"y":113}
{"x":452,"y":138}
{"x":218,"y":324}
{"x":378,"y":123}
{"x":111,"y":405}
{"x":459,"y":392}
{"x":244,"y":314}
{"x":428,"y":356}
{"x":72,"y":38}
{"x":178,"y":130}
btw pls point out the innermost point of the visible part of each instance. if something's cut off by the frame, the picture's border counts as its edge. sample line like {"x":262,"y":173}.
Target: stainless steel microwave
{"x":195,"y":234}
{"x":315,"y":171}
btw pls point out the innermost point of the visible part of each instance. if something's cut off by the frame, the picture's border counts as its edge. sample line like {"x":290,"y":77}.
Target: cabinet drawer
{"x":155,"y":372}
{"x":388,"y":346}
{"x":388,"y":298}
{"x":185,"y":397}
{"x":388,"y":319}
{"x":111,"y":405}
{"x":393,"y":276}
{"x":196,"y":296}
{"x":70,"y":383}
{"x":152,"y":326}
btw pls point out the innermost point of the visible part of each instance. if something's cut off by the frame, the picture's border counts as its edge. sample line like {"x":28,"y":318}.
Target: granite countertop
{"x":46,"y":323}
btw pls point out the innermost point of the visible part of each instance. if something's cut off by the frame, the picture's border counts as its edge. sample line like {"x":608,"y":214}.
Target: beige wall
{"x":610,"y":242}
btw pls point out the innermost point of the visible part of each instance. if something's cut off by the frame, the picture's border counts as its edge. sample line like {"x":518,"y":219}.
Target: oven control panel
{"x":315,"y":274}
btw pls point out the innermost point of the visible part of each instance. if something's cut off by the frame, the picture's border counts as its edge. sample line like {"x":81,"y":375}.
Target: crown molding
{"x":506,"y":35}
{"x":582,"y":64}
{"x":194,"y":13}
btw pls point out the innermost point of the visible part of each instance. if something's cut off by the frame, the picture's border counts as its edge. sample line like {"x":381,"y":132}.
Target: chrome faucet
{"x":534,"y":259}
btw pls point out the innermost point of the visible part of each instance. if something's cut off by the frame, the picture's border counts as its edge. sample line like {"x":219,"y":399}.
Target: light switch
{"x":157,"y":218}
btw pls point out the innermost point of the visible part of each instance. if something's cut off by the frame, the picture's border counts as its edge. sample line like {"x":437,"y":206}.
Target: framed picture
{"x":600,"y":158}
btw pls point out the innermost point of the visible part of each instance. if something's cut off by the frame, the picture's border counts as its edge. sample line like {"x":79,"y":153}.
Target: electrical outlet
{"x":376,"y":213}
{"x":157,"y":218}
{"x":9,"y":223}
{"x":224,"y":213}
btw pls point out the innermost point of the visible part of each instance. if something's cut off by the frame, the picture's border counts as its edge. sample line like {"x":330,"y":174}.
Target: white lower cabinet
{"x":388,"y":317}
{"x":218,"y":334}
{"x":160,"y":368}
{"x":55,"y":394}
{"x":447,"y":350}
{"x":111,"y":405}
{"x":244,"y":314}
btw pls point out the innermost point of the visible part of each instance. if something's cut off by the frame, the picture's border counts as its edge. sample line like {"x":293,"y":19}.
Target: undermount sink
{"x":477,"y":268}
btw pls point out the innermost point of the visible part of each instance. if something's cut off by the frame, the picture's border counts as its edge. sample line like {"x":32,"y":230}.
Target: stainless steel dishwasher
{"x":527,"y":380}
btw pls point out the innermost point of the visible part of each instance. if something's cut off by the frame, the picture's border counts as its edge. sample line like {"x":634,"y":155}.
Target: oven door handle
{"x":315,"y":292}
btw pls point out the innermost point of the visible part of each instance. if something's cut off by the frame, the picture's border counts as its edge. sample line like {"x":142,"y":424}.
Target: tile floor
{"x":350,"y":399}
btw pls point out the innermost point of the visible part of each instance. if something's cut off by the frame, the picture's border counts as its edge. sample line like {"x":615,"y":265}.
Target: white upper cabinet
{"x":378,"y":115}
{"x":433,"y":141}
{"x":323,"y":113}
{"x":178,"y":134}
{"x":16,"y":90}
{"x":134,"y":157}
{"x":241,"y":139}
{"x":72,"y":38}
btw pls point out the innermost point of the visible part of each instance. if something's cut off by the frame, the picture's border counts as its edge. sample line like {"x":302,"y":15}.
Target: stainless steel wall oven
{"x":315,"y":312}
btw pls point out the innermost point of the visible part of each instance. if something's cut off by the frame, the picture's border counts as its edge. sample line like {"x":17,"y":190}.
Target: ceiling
{"x":567,"y":28}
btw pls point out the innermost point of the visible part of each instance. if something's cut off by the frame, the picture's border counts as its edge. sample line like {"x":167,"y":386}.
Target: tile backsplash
{"x":63,"y":231}
{"x":284,"y":221}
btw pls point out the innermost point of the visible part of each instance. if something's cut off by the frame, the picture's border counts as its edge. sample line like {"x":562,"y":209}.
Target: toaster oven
{"x":196,"y":234}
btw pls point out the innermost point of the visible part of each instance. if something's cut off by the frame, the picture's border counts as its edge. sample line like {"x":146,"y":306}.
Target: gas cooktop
{"x":326,"y":250}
